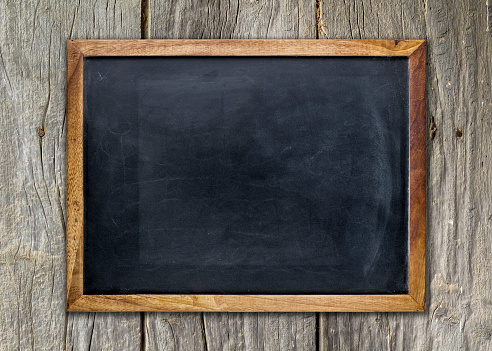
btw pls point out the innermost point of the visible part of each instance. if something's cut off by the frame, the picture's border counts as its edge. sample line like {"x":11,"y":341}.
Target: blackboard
{"x":258,"y":175}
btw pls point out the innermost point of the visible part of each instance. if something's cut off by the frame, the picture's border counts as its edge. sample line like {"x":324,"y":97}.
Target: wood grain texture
{"x":384,"y":19}
{"x":245,"y":47}
{"x":103,"y":331}
{"x":232,"y":19}
{"x":174,"y":331}
{"x":417,"y":186}
{"x":237,"y":331}
{"x":33,"y":38}
{"x":236,"y":19}
{"x":459,"y":177}
{"x":459,"y":219}
{"x":243,"y":303}
{"x":253,"y":331}
{"x":75,"y":196}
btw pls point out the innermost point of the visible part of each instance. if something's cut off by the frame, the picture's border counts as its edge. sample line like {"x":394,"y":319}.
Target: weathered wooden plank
{"x":33,"y":36}
{"x":386,"y":19}
{"x":362,"y":20}
{"x":260,"y":331}
{"x":104,"y":331}
{"x":234,"y":19}
{"x":174,"y":331}
{"x":32,"y":174}
{"x":460,"y":184}
{"x":459,"y":176}
{"x":230,"y":331}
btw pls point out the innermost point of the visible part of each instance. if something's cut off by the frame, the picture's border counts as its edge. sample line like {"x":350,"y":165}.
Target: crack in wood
{"x":204,"y":332}
{"x":320,"y":26}
{"x":142,"y":331}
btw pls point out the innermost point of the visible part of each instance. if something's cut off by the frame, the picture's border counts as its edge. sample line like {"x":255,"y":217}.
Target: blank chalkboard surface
{"x":246,"y":175}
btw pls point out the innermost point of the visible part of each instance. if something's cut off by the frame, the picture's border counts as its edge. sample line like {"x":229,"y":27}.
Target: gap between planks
{"x":145,"y":19}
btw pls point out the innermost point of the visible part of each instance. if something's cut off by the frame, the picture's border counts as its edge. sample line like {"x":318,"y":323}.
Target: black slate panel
{"x":285,"y":175}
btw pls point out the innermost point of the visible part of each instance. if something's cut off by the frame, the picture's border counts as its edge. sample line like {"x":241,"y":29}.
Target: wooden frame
{"x":413,"y":301}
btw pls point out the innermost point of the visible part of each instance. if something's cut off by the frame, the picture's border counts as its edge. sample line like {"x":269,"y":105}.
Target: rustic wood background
{"x":33,"y":36}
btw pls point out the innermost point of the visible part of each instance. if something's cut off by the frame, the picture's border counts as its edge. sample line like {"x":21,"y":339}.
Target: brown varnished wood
{"x":246,"y":303}
{"x":75,"y":199}
{"x":234,"y":47}
{"x":417,"y":193}
{"x":414,"y":301}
